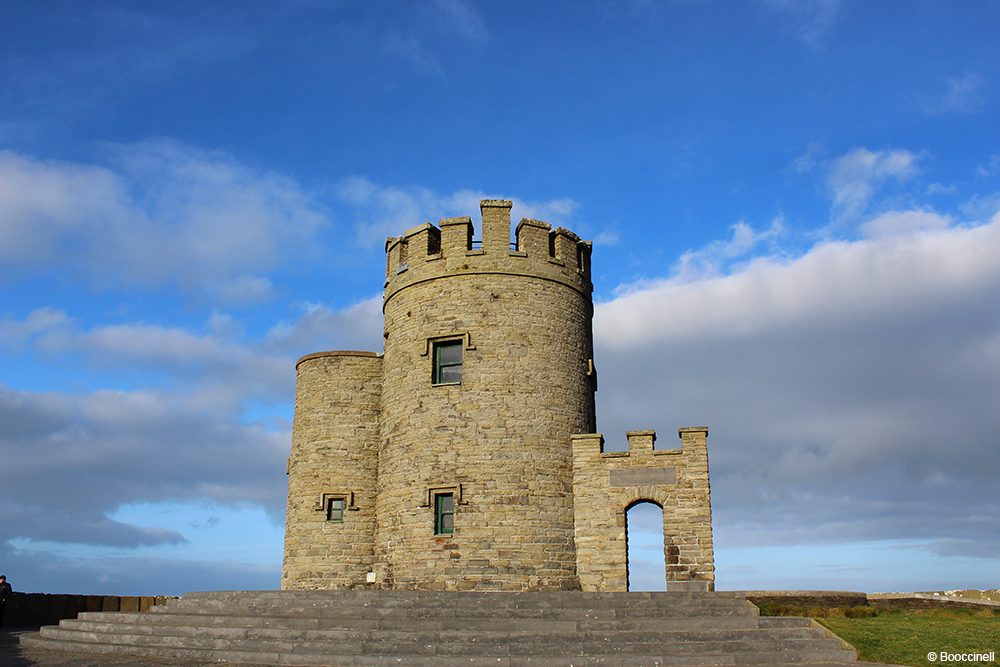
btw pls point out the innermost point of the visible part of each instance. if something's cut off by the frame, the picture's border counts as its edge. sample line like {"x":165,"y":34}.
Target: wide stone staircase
{"x":367,"y":628}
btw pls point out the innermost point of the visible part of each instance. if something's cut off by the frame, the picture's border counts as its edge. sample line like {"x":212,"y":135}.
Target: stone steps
{"x":497,"y":623}
{"x":515,"y":603}
{"x":436,"y":643}
{"x":498,"y":599}
{"x":495,"y":599}
{"x":444,"y":629}
{"x":237,"y":628}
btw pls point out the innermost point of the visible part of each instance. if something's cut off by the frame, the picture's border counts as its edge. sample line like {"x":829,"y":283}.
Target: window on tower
{"x":335,"y":510}
{"x":448,"y":362}
{"x":444,"y":514}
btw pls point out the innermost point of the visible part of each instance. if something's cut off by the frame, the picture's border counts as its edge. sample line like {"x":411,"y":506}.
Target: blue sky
{"x":794,"y":207}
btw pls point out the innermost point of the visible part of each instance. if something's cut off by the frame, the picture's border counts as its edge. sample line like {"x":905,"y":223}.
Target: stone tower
{"x":521,"y":323}
{"x":452,"y":460}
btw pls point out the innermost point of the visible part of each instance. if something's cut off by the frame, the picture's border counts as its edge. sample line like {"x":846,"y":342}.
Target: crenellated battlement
{"x":427,"y":251}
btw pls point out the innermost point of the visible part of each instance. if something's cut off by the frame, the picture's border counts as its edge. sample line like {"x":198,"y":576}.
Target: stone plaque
{"x":643,"y":476}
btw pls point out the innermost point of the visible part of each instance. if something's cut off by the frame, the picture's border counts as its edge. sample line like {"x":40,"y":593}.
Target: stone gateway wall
{"x":382,"y":435}
{"x":606,"y":484}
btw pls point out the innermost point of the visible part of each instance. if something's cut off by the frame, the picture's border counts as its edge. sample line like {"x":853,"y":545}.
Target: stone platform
{"x":363,"y":628}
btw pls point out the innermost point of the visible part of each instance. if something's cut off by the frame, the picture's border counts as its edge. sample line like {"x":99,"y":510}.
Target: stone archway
{"x":606,"y":484}
{"x":645,"y":561}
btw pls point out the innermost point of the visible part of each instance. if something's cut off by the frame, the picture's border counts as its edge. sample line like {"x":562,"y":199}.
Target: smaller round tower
{"x":330,"y":523}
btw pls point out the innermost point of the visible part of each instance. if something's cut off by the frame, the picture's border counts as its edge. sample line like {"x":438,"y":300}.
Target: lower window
{"x":447,"y":362}
{"x":335,"y":510}
{"x":444,"y":514}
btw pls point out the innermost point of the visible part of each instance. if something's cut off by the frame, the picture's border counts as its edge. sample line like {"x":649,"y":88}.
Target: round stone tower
{"x":486,"y":375}
{"x":330,"y":516}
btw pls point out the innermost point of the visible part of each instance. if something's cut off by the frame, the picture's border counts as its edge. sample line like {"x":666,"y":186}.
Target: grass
{"x":906,"y":637}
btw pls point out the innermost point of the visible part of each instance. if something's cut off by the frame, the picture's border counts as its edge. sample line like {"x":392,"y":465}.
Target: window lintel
{"x":327,"y":496}
{"x":463,"y":336}
{"x":428,"y":499}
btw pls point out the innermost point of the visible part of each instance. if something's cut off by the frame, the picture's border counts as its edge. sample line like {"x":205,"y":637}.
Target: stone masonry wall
{"x":606,"y":484}
{"x":500,"y":440}
{"x":334,"y":446}
{"x":32,"y":610}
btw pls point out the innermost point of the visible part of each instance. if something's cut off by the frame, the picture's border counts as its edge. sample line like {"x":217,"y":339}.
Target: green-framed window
{"x":444,"y":514}
{"x":335,"y":510}
{"x":448,"y":362}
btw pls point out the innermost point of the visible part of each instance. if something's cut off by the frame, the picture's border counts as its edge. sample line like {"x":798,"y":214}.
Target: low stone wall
{"x":31,"y":610}
{"x":926,"y":601}
{"x":807,"y":598}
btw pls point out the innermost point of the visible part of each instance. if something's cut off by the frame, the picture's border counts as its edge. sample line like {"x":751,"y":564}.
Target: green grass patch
{"x":907,"y":637}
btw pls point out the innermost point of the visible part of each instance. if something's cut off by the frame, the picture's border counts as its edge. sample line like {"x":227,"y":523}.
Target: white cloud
{"x":556,"y":211}
{"x":185,"y":434}
{"x":457,"y":17}
{"x":904,"y":223}
{"x":105,"y":448}
{"x":607,"y":237}
{"x":383,"y":211}
{"x":716,"y":256}
{"x":41,"y":320}
{"x":159,"y":213}
{"x":824,"y":283}
{"x":941,"y":189}
{"x":148,"y":353}
{"x":991,"y":167}
{"x":809,"y":21}
{"x":854,"y":178}
{"x":357,"y":327}
{"x":851,"y":392}
{"x":981,"y":205}
{"x":964,"y":95}
{"x":811,"y":158}
{"x":40,"y":570}
{"x":419,"y":43}
{"x":244,"y":289}
{"x":413,"y":49}
{"x":210,"y":419}
{"x":131,"y":343}
{"x":47,"y":205}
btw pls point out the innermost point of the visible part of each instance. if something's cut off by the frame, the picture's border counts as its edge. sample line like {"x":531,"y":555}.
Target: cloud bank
{"x":209,"y":418}
{"x":851,"y":392}
{"x":158,"y":213}
{"x":383,"y":211}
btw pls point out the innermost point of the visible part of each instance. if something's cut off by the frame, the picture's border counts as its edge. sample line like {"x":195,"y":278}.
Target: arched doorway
{"x":646,"y":567}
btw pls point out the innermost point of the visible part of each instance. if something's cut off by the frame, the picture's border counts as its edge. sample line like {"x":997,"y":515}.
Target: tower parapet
{"x":427,"y":251}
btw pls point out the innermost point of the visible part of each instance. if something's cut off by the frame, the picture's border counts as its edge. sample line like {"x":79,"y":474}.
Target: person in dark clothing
{"x":5,"y":593}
